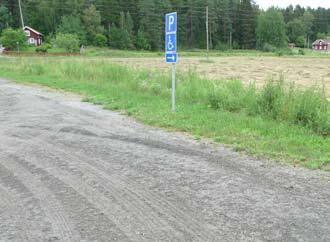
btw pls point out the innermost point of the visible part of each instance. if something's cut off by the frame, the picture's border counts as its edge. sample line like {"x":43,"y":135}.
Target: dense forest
{"x":139,"y":24}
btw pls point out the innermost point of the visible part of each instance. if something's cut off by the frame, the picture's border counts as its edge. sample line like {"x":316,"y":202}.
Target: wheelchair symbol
{"x":170,"y":45}
{"x":171,"y":42}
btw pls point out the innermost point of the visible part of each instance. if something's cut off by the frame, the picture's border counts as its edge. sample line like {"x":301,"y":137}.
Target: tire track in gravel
{"x":116,"y":206}
{"x":146,"y":202}
{"x":61,"y":224}
{"x":33,"y":210}
{"x":11,"y":211}
{"x":60,"y":170}
{"x":91,"y":223}
{"x":156,"y":206}
{"x":143,"y":205}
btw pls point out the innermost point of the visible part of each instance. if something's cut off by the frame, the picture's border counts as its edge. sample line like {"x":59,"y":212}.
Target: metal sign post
{"x":173,"y":87}
{"x":171,"y":55}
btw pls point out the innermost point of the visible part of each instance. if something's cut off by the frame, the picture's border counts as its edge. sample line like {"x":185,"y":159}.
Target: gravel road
{"x":70,"y":171}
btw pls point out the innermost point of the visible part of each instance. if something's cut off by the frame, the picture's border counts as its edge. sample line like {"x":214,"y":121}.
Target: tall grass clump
{"x":276,"y":100}
{"x":192,"y":88}
{"x":312,"y":110}
{"x":233,"y":96}
{"x":31,"y":68}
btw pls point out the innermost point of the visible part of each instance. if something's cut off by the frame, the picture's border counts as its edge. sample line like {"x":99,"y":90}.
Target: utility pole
{"x":307,"y":41}
{"x":21,"y":13}
{"x":207,"y":32}
{"x":230,"y":40}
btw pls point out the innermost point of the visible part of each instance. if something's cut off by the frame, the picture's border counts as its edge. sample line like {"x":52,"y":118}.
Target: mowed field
{"x":303,"y":71}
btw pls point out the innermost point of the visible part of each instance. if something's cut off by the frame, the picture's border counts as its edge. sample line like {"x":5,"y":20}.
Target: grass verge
{"x":145,"y":95}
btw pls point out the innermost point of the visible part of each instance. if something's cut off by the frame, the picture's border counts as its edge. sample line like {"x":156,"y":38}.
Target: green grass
{"x":145,"y":95}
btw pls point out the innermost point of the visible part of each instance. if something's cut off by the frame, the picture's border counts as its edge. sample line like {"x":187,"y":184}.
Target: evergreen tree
{"x":247,"y":24}
{"x":129,"y":25}
{"x":295,"y":29}
{"x":92,"y":23}
{"x":120,"y":37}
{"x":141,"y":41}
{"x":271,"y":29}
{"x":5,"y":18}
{"x":72,"y":25}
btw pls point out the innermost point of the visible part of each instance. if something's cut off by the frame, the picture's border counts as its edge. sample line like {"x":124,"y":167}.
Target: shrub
{"x":141,"y":41}
{"x":300,"y":42}
{"x":268,"y":48}
{"x":101,"y":40}
{"x":11,"y":39}
{"x":69,"y":42}
{"x":235,"y":45}
{"x":43,"y":48}
{"x":222,"y":46}
{"x":284,"y":51}
{"x":301,"y":52}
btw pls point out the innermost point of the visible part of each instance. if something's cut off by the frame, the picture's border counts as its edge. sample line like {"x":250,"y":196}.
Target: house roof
{"x":33,"y":30}
{"x":316,"y":42}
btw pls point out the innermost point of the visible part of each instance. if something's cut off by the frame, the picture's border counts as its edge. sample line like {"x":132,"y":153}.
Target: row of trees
{"x":129,"y":24}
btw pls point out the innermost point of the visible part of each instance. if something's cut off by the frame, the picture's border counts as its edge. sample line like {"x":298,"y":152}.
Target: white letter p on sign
{"x":170,"y":22}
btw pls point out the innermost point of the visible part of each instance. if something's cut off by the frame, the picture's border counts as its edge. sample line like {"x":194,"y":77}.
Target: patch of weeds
{"x":276,"y":100}
{"x":197,"y":137}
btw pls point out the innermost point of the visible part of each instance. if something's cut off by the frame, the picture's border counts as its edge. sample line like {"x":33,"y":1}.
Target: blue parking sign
{"x":171,"y":56}
{"x":171,"y":37}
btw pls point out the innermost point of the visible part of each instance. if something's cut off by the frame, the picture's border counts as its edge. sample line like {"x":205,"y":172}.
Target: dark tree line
{"x":139,"y":24}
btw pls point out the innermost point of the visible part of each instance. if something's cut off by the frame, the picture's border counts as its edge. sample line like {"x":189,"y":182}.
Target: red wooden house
{"x":322,"y":45}
{"x":34,"y":37}
{"x":291,"y":45}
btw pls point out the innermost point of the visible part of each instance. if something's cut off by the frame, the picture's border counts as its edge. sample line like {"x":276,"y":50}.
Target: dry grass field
{"x":304,"y":71}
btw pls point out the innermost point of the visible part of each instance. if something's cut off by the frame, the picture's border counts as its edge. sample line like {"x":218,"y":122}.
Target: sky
{"x":264,"y":4}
